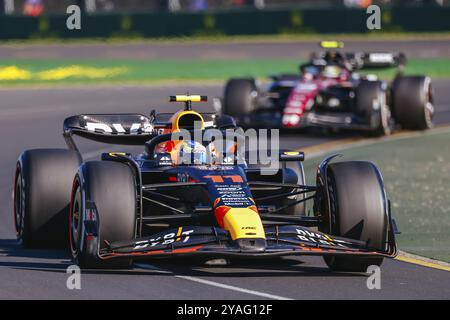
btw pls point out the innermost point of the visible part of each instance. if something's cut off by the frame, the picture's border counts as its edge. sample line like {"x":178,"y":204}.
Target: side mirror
{"x":223,"y":122}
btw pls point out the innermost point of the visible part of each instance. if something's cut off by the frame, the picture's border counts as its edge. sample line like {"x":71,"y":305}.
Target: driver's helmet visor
{"x":331,"y":72}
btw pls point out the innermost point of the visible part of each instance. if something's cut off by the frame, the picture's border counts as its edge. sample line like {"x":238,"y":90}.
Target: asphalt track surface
{"x":32,"y":118}
{"x":427,"y":48}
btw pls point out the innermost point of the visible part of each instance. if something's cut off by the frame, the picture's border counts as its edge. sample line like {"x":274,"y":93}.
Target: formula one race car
{"x":329,"y":92}
{"x":181,"y":198}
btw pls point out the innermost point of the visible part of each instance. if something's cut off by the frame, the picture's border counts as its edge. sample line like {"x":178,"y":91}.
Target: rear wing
{"x":359,"y":60}
{"x":123,"y":128}
{"x":376,"y":60}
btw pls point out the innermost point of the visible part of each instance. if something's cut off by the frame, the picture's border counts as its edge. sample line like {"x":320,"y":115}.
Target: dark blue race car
{"x":180,"y":197}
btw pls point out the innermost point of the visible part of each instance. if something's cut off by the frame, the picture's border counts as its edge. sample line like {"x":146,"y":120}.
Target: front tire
{"x":111,"y":187}
{"x":358,"y":210}
{"x":42,"y":187}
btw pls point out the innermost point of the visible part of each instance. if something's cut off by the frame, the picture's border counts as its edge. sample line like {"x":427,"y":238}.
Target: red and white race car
{"x":329,"y":92}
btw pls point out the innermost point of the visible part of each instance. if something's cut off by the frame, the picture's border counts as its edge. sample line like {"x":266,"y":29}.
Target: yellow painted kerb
{"x":422,"y":263}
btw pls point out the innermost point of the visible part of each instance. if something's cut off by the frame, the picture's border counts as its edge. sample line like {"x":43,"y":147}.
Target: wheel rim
{"x":250,"y":99}
{"x":429,"y":114}
{"x":19,"y":204}
{"x":429,"y":108}
{"x":75,"y":218}
{"x":385,"y":115}
{"x":385,"y":119}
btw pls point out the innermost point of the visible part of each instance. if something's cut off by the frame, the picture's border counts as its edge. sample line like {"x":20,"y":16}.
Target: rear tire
{"x":371,"y":104}
{"x":42,"y":186}
{"x":111,"y":187}
{"x":358,"y":210}
{"x":239,"y":97}
{"x":412,"y":98}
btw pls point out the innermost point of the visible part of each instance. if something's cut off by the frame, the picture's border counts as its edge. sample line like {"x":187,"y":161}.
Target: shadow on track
{"x":275,"y":267}
{"x":58,"y":261}
{"x":55,"y":260}
{"x":30,"y":259}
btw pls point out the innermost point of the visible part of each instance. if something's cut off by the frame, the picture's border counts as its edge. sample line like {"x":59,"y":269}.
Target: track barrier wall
{"x":242,"y":22}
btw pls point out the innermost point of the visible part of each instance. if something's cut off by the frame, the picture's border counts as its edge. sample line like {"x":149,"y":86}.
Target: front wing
{"x":213,"y":242}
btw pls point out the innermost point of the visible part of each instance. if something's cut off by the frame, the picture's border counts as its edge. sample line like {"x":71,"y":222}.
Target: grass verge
{"x":15,"y":72}
{"x":417,"y":178}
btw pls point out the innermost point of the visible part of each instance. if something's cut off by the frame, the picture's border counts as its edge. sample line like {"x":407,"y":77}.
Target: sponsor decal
{"x":165,"y":161}
{"x":182,"y":177}
{"x":222,"y":179}
{"x":165,"y":239}
{"x":233,"y":195}
{"x":118,"y":128}
{"x":306,"y":87}
{"x":319,"y":238}
{"x":381,"y":58}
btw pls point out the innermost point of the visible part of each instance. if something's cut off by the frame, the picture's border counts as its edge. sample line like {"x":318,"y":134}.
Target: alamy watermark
{"x":373,"y":282}
{"x":73,"y":22}
{"x":374,"y":20}
{"x":73,"y":281}
{"x":227,"y":147}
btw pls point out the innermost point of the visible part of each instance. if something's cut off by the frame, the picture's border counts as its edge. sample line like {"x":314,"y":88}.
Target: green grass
{"x":164,"y":71}
{"x":417,"y":178}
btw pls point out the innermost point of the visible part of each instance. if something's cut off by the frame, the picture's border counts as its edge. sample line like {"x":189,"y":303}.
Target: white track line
{"x":214,"y":284}
{"x":233,"y":288}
